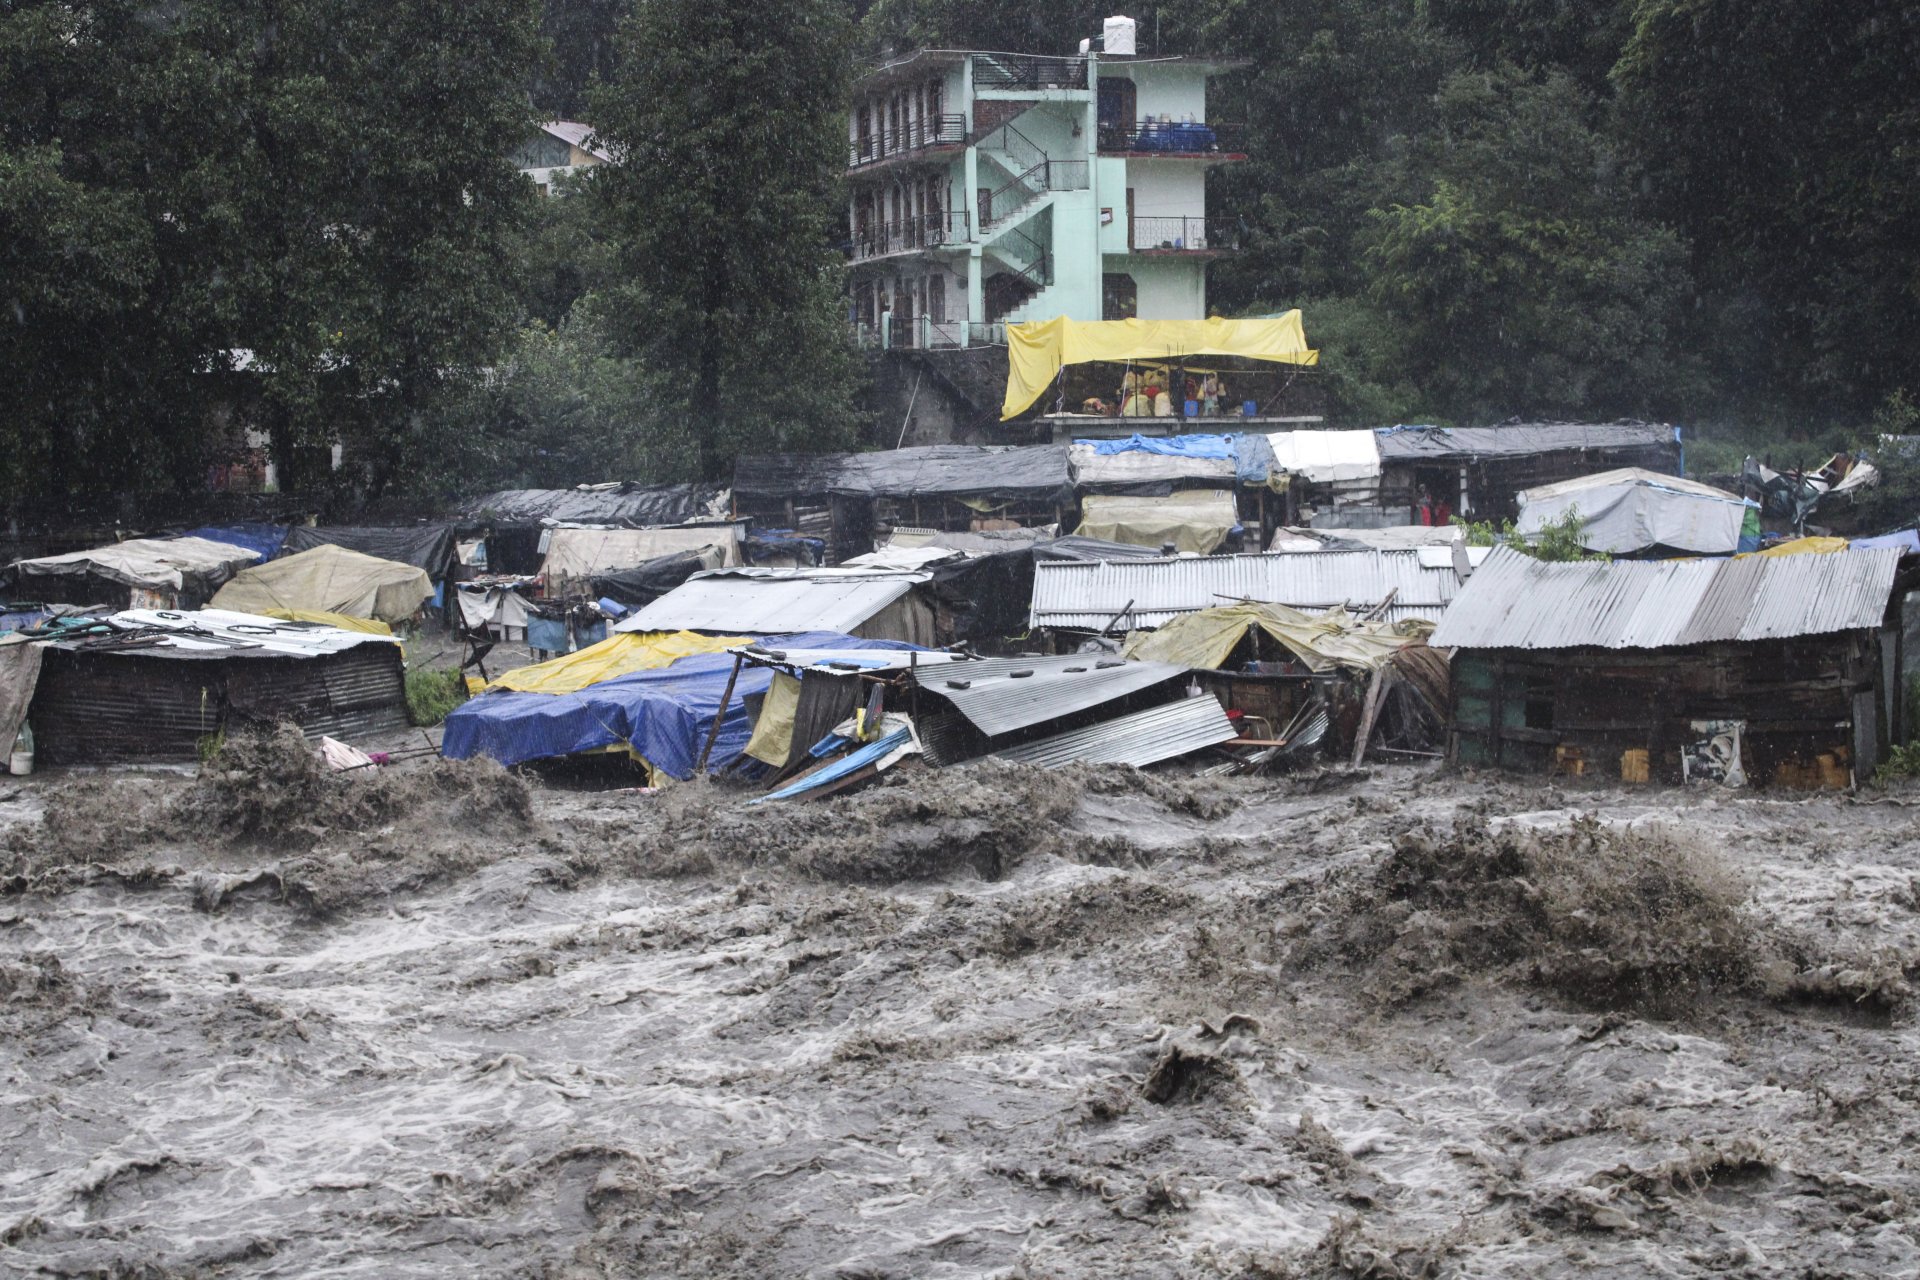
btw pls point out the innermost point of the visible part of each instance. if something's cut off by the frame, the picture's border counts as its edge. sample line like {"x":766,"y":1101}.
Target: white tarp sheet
{"x":1326,"y":456}
{"x":153,"y":563}
{"x":1632,"y":509}
{"x":1138,"y":466}
{"x":574,"y":555}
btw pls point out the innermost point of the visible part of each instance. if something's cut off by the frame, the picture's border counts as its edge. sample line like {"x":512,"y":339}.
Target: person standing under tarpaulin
{"x":1210,"y":392}
{"x":1431,"y":511}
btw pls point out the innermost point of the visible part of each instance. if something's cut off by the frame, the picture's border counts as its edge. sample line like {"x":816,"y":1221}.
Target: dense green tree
{"x":729,"y":128}
{"x":1522,"y":283}
{"x":322,"y":186}
{"x":580,"y":36}
{"x":1780,"y":138}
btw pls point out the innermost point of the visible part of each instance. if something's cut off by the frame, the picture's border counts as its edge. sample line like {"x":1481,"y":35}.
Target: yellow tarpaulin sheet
{"x":772,"y":741}
{"x":1037,"y":350}
{"x":1804,"y":547}
{"x":617,"y":655}
{"x":371,"y":626}
{"x":1324,"y":642}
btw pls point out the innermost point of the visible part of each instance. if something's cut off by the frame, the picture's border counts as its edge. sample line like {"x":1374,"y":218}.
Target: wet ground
{"x":986,"y":1022}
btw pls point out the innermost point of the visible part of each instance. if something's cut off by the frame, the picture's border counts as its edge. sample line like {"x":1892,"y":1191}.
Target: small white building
{"x":559,"y":147}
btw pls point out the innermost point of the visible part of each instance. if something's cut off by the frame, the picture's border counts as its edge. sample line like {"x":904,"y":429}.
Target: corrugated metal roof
{"x":771,"y":602}
{"x":1516,"y":602}
{"x":999,"y":700}
{"x":1087,"y":596}
{"x":1143,"y":738}
{"x":1514,"y":439}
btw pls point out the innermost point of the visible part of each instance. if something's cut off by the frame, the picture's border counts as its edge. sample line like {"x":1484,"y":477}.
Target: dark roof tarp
{"x":1516,"y":439}
{"x":645,"y":583}
{"x":635,"y":506}
{"x":987,"y":597}
{"x":425,"y":546}
{"x":664,"y":714}
{"x":1076,"y":547}
{"x":934,"y":471}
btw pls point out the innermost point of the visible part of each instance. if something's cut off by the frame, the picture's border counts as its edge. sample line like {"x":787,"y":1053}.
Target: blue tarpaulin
{"x":663,"y":714}
{"x":1908,"y":540}
{"x":843,"y":768}
{"x":263,"y":538}
{"x":1197,"y":446}
{"x":1253,"y":460}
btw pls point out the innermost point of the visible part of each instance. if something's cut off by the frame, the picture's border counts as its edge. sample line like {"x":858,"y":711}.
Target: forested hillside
{"x":303,"y":216}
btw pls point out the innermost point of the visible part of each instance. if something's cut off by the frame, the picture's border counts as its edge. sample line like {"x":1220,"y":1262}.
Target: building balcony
{"x":1174,"y":140}
{"x":920,"y":136}
{"x":924,"y":333}
{"x":1182,"y":235}
{"x":1026,"y":73}
{"x":912,"y":235}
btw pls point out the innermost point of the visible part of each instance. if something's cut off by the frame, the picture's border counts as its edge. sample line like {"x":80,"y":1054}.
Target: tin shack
{"x":1759,"y":669}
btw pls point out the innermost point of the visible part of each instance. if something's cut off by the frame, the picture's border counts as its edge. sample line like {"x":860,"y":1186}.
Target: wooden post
{"x":719,"y":715}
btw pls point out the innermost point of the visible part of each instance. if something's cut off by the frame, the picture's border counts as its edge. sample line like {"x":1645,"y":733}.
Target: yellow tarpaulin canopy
{"x":618,"y":655}
{"x":1037,"y":350}
{"x":1324,"y":641}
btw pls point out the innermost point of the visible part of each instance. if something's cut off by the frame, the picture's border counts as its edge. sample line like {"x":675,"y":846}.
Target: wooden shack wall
{"x":1798,"y":698}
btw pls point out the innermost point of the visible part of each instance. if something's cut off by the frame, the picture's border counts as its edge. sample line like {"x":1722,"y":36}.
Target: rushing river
{"x":1082,"y":1043}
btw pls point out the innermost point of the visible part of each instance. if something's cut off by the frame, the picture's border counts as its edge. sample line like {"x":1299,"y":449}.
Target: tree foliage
{"x":291,"y":214}
{"x":730,"y":131}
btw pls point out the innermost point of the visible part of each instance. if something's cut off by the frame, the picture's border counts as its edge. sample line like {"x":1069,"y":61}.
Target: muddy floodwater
{"x":984,"y":1022}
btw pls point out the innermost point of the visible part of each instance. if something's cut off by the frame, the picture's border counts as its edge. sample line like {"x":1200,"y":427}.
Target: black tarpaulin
{"x":984,"y":600}
{"x":634,"y":506}
{"x":645,"y":583}
{"x":1039,"y":472}
{"x":1515,"y":439}
{"x":426,"y":546}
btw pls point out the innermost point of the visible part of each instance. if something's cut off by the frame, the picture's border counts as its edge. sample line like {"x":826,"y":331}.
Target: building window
{"x":1119,"y":296}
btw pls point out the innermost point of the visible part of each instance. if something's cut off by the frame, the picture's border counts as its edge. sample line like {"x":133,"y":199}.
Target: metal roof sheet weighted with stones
{"x":1516,"y":602}
{"x":1087,"y":596}
{"x":1000,"y":695}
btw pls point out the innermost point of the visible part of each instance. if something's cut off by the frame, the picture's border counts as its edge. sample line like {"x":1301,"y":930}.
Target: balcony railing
{"x":934,"y":131}
{"x":923,"y":333}
{"x":1024,"y":72}
{"x":1174,"y":137}
{"x":909,"y":235}
{"x":1190,"y":235}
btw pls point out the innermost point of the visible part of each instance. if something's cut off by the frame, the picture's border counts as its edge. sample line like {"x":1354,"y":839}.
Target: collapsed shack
{"x":157,"y":686}
{"x":514,"y":519}
{"x":848,"y":501}
{"x":1056,"y":710}
{"x":162,"y":573}
{"x":1379,"y":684}
{"x":1783,"y":671}
{"x":674,"y":703}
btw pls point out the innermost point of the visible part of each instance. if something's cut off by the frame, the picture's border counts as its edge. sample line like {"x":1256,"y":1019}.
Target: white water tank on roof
{"x":1118,"y":36}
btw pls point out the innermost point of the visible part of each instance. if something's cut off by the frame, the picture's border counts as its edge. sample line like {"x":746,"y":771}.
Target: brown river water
{"x":984,"y":1022}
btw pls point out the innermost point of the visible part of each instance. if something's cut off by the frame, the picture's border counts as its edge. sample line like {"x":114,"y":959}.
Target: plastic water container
{"x":1249,"y":409}
{"x":20,"y":762}
{"x":1193,"y":408}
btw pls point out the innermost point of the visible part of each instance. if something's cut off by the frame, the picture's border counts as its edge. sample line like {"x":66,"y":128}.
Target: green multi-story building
{"x":991,"y":188}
